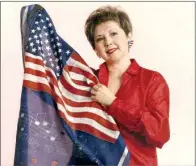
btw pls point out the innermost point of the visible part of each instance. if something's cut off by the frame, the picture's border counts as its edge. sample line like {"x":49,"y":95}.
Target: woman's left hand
{"x":102,"y":94}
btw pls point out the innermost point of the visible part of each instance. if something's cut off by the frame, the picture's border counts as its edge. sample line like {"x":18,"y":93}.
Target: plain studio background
{"x":163,"y":40}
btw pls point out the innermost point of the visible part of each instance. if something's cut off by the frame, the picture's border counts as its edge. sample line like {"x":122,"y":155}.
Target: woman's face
{"x":111,"y":42}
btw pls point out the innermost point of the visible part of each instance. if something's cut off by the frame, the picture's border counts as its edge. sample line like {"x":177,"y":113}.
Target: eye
{"x":113,"y":33}
{"x":99,"y":39}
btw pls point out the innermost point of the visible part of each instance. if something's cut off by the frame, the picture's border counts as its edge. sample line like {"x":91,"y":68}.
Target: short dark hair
{"x":103,"y":14}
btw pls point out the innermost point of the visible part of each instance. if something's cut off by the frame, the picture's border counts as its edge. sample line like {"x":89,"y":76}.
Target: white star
{"x":41,"y":42}
{"x":55,"y":53}
{"x":51,"y":32}
{"x":31,"y":44}
{"x":67,"y":52}
{"x":56,"y":59}
{"x":47,"y":18}
{"x":59,"y":50}
{"x":54,"y":46}
{"x":39,"y":14}
{"x":57,"y":38}
{"x":58,"y":44}
{"x":36,"y":22}
{"x":40,"y":35}
{"x":58,"y":74}
{"x":48,"y":48}
{"x":44,"y":27}
{"x":30,"y":38}
{"x":35,"y":36}
{"x":45,"y":123}
{"x":45,"y":62}
{"x":61,"y":58}
{"x":33,"y":30}
{"x":46,"y":34}
{"x":50,"y":25}
{"x":38,"y":28}
{"x":49,"y":54}
{"x":57,"y":67}
{"x":46,"y":41}
{"x":50,"y":59}
{"x":52,"y":138}
{"x":52,"y":39}
{"x":34,"y":49}
{"x":37,"y":41}
{"x":52,"y":64}
{"x":42,"y":20}
{"x":39,"y":48}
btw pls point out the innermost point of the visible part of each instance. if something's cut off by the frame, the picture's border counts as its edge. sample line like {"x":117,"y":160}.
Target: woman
{"x":137,"y":98}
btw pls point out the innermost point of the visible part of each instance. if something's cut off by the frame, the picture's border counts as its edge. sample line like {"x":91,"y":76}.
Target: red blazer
{"x":141,"y":111}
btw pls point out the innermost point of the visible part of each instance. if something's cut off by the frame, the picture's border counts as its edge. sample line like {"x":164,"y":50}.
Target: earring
{"x":130,"y":43}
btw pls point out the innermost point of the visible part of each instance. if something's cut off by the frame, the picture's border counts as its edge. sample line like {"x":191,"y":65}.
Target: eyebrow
{"x":101,"y":35}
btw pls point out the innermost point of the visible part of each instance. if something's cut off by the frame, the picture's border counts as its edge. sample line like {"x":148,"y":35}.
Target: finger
{"x":96,"y":87}
{"x":93,"y":92}
{"x":99,"y":85}
{"x":93,"y":97}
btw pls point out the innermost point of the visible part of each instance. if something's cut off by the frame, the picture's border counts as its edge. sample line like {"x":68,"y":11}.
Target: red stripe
{"x":97,"y":118}
{"x":83,"y":83}
{"x":37,"y":86}
{"x":78,"y":58}
{"x":81,"y":104}
{"x":73,"y":90}
{"x":87,"y":128}
{"x":35,"y":61}
{"x":78,"y":82}
{"x":81,"y":72}
{"x":34,"y":72}
{"x":53,"y":80}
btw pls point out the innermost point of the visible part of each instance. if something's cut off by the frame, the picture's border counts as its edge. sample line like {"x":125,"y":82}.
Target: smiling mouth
{"x":111,"y":51}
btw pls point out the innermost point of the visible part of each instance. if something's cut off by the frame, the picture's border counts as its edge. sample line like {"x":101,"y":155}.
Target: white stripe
{"x":23,"y":25}
{"x":24,"y":16}
{"x":123,"y":157}
{"x":91,"y":110}
{"x":79,"y":77}
{"x":72,"y":62}
{"x":34,"y":66}
{"x":33,"y":56}
{"x":36,"y":79}
{"x":79,"y":87}
{"x":71,"y":96}
{"x":91,"y":122}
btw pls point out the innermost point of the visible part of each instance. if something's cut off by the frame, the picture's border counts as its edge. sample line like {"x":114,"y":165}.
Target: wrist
{"x":113,"y":98}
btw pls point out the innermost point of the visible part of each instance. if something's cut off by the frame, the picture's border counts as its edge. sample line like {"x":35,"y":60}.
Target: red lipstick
{"x":110,"y":51}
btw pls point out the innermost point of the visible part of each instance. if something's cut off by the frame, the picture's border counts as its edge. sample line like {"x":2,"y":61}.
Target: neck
{"x":119,"y":67}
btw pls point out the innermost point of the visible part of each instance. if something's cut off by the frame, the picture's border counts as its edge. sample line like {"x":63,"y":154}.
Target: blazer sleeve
{"x":150,"y":120}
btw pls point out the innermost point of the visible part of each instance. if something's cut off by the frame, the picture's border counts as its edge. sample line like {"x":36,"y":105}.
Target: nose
{"x":108,"y":41}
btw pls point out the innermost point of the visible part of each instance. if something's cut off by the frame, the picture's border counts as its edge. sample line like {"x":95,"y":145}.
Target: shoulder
{"x":153,"y":80}
{"x":151,"y":75}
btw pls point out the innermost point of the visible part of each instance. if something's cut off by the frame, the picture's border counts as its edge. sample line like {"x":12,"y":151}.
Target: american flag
{"x":52,"y":68}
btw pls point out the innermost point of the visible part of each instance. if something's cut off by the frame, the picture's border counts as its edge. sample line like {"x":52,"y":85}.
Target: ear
{"x":129,"y":37}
